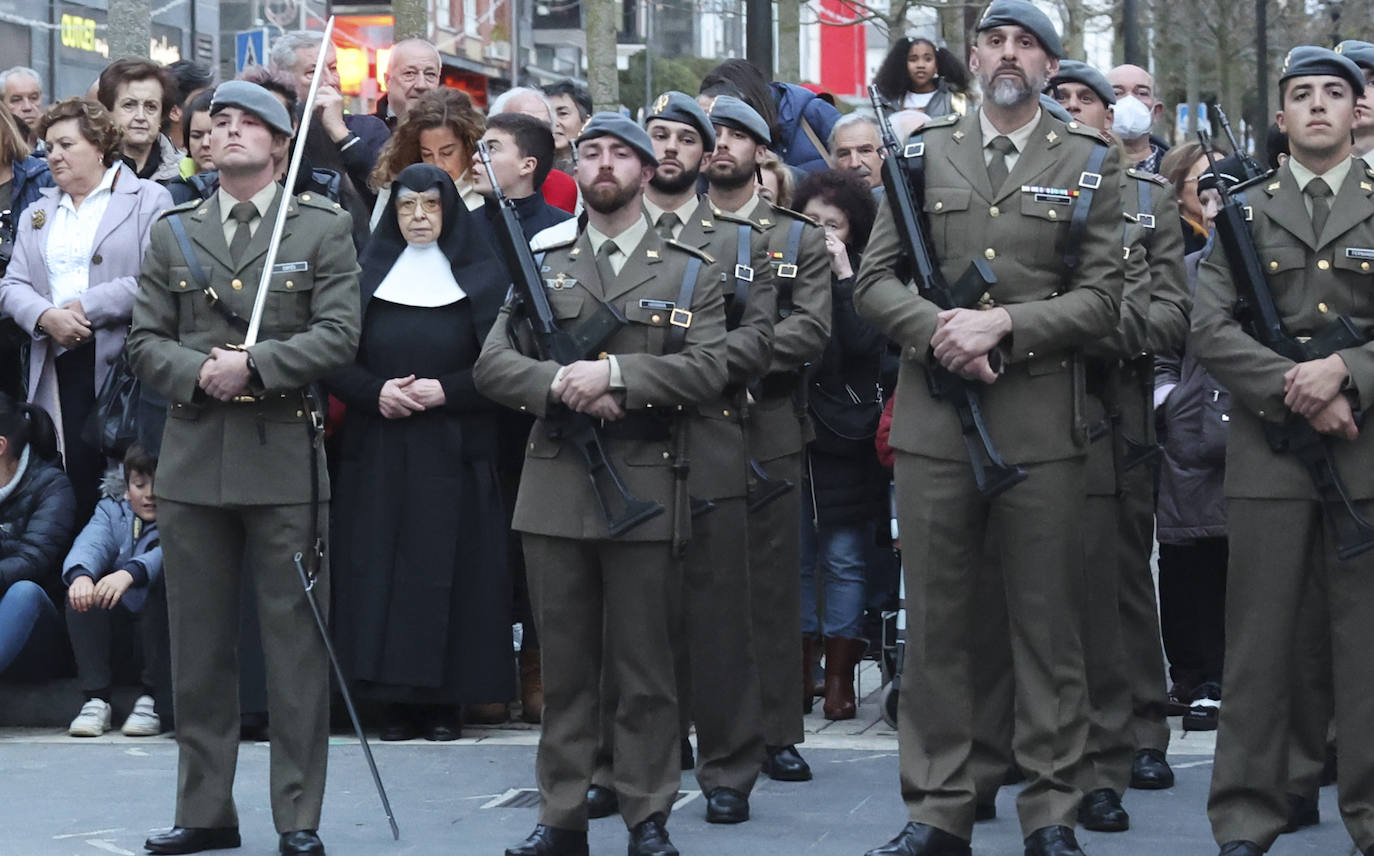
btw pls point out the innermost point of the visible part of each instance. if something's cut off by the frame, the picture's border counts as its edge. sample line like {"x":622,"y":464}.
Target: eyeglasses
{"x":428,"y":205}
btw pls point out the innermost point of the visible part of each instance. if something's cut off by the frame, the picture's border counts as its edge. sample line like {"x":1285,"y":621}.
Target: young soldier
{"x":778,"y":430}
{"x":604,"y":602}
{"x":1312,"y":224}
{"x":1038,"y":200}
{"x":241,"y":481}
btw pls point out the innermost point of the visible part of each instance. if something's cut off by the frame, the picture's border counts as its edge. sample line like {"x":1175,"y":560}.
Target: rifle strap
{"x":786,"y":270}
{"x":744,"y":275}
{"x":235,"y":320}
{"x":680,"y":319}
{"x":1088,"y":182}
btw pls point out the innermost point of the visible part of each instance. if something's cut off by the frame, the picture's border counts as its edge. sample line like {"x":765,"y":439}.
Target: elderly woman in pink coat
{"x":72,"y":279}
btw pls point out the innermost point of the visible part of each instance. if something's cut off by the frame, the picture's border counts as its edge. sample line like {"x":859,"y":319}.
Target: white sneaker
{"x":92,"y":721}
{"x":143,"y":721}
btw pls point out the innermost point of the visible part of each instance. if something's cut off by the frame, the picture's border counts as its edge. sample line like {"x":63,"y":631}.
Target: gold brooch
{"x":39,"y":218}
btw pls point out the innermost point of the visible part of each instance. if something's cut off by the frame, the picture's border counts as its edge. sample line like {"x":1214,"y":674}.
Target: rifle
{"x":622,"y":510}
{"x":1250,"y":166}
{"x":1259,"y":315}
{"x":905,"y":192}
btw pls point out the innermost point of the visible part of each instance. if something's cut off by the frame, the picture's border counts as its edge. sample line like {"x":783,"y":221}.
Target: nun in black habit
{"x":422,"y":597}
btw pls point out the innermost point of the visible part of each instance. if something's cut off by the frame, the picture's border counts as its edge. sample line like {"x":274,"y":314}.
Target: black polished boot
{"x":918,"y":839}
{"x":650,"y":838}
{"x":550,"y":841}
{"x":1053,"y":841}
{"x":191,"y":839}
{"x":601,"y":802}
{"x":726,"y":805}
{"x":785,"y":764}
{"x":300,"y":842}
{"x":1150,"y":771}
{"x":1101,"y":811}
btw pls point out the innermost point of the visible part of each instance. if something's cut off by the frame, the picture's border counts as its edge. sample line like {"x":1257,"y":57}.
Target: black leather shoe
{"x":917,"y":839}
{"x":785,"y":764}
{"x":443,"y":730}
{"x":984,"y":811}
{"x":726,"y":805}
{"x":1150,"y":771}
{"x":687,"y":760}
{"x":550,"y":841}
{"x":601,"y":802}
{"x":398,"y":723}
{"x":191,"y":839}
{"x":1240,"y":848}
{"x":1302,"y":811}
{"x":301,"y":842}
{"x":1053,"y":841}
{"x":649,"y":838}
{"x":1101,"y":811}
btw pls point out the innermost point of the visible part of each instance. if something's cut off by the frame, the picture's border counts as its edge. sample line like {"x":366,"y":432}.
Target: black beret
{"x":674,"y":106}
{"x":1228,"y":172}
{"x":1023,"y":14}
{"x":623,"y":128}
{"x":1309,"y":60}
{"x":1073,"y":71}
{"x":731,"y":112}
{"x":1361,"y":52}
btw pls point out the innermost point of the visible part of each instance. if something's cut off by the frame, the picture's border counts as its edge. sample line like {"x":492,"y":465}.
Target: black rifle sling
{"x":1143,"y":218}
{"x":198,"y":274}
{"x":1088,"y":181}
{"x":787,"y":267}
{"x":680,"y":318}
{"x":744,"y":275}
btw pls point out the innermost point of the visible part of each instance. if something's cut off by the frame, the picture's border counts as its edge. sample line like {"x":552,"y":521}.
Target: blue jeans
{"x":840,"y":552}
{"x":30,"y":630}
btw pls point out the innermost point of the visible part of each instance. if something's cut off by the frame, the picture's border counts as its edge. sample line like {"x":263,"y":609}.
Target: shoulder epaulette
{"x":733,"y":218}
{"x":1142,"y":175}
{"x":797,"y":214}
{"x":188,"y":205}
{"x":1369,"y":171}
{"x":1086,"y":131}
{"x":311,"y":199}
{"x":561,"y":234}
{"x":939,"y":122}
{"x":687,"y":248}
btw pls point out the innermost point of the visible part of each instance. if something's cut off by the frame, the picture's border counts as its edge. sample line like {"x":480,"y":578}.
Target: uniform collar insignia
{"x":1051,"y":137}
{"x":764,"y":221}
{"x":1364,"y":185}
{"x":653,"y":254}
{"x":574,"y":251}
{"x":958,"y":135}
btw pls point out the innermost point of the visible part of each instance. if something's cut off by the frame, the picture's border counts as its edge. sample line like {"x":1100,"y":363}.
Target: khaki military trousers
{"x":609,"y":605}
{"x":1035,"y":526}
{"x":1278,"y":549}
{"x":1312,"y":701}
{"x":205,"y":550}
{"x":775,"y":601}
{"x":1138,"y":602}
{"x":717,"y":679}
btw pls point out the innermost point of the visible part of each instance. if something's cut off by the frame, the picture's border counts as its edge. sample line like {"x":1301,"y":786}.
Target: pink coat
{"x":115,"y":259}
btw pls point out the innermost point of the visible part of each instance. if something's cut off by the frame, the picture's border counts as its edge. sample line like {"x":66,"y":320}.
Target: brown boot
{"x":841,"y":656}
{"x":531,"y":686}
{"x":811,"y":658}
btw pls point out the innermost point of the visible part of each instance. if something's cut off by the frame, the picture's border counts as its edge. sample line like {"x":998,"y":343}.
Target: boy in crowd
{"x":115,"y":565}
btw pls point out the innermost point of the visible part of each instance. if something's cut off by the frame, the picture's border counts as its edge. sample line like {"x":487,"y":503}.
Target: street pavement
{"x":62,"y":796}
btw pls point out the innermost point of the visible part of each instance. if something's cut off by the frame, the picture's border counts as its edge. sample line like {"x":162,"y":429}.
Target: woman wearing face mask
{"x":421,"y":597}
{"x":917,"y":74}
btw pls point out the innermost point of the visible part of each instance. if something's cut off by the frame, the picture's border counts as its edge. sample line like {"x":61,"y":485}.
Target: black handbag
{"x":112,"y":426}
{"x":845,"y":423}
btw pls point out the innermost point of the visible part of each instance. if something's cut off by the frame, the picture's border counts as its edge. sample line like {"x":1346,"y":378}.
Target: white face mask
{"x":1131,"y":119}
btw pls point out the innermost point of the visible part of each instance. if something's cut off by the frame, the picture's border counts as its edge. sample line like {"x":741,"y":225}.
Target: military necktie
{"x":603,"y":263}
{"x":666,"y":223}
{"x":997,"y":167}
{"x":1320,"y":194}
{"x":243,"y":213}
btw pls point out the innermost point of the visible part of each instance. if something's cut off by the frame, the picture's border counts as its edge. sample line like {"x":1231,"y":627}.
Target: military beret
{"x":1054,"y":108}
{"x":731,"y":112}
{"x":1228,"y":172}
{"x":1361,"y":52}
{"x":1023,"y":14}
{"x":1309,"y":60}
{"x":1073,"y":71}
{"x":674,"y":106}
{"x":252,"y":98}
{"x":623,"y":128}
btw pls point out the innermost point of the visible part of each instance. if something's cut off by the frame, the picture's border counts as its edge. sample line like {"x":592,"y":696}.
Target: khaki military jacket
{"x":1315,"y":279}
{"x":556,"y":497}
{"x":719,"y":458}
{"x":216,"y":453}
{"x":1035,"y":409}
{"x":777,"y":423}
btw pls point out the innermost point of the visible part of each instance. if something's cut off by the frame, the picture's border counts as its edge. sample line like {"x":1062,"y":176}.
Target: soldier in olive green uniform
{"x":1122,"y":648}
{"x":601,"y":602}
{"x":241,"y":478}
{"x":1040,"y":201}
{"x":777,"y":431}
{"x":1312,"y":223}
{"x":717,"y":675}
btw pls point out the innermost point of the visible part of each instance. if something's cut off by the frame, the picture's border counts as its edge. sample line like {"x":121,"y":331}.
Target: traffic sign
{"x":250,"y":48}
